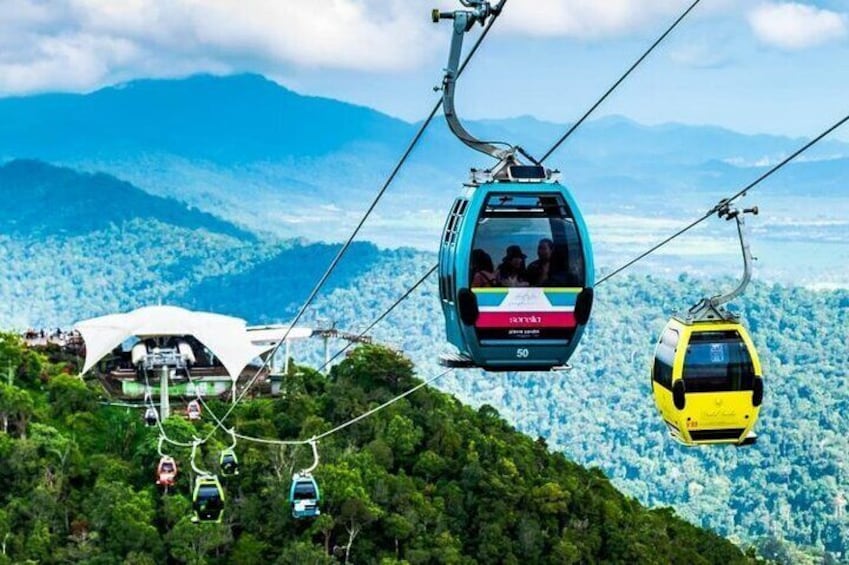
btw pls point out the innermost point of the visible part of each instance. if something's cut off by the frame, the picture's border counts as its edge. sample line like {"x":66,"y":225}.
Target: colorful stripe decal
{"x":526,"y":320}
{"x":554,"y":296}
{"x":526,"y":308}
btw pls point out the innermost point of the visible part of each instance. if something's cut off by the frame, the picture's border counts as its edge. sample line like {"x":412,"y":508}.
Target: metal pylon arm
{"x":464,"y":20}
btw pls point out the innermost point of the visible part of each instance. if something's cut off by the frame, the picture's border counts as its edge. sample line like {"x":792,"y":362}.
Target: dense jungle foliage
{"x":790,"y":486}
{"x":427,"y":480}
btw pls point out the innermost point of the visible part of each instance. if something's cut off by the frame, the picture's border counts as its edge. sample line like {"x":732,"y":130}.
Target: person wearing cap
{"x":512,"y":271}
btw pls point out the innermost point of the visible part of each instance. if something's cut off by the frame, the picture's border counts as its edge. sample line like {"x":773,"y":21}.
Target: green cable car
{"x":208,"y":500}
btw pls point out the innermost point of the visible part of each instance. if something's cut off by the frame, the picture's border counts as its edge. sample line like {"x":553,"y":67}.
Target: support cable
{"x":356,"y":231}
{"x":380,"y":318}
{"x":726,"y":201}
{"x":350,"y":422}
{"x":627,"y":73}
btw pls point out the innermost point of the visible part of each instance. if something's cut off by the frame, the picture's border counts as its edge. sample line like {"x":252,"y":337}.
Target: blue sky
{"x":750,"y":65}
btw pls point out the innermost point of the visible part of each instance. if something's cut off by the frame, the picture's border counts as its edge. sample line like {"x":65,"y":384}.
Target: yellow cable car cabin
{"x":707,"y":382}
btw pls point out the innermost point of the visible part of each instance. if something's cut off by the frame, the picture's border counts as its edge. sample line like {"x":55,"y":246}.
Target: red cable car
{"x":193,"y":410}
{"x":166,"y":471}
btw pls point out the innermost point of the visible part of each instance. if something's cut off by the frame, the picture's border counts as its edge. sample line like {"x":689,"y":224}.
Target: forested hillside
{"x":426,"y":480}
{"x":76,"y":245}
{"x":600,"y":414}
{"x":44,"y":200}
{"x":790,"y":485}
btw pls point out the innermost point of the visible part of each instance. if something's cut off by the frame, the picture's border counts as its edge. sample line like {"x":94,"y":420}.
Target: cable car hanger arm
{"x":197,"y":441}
{"x":464,"y":20}
{"x":725,"y":211}
{"x":314,"y":445}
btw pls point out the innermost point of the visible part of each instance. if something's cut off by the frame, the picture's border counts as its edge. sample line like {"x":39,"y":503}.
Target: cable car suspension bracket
{"x":479,"y":11}
{"x":711,"y":309}
{"x":195,"y":468}
{"x":308,"y":471}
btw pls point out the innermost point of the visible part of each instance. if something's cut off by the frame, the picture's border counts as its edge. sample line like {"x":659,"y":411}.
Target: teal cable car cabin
{"x":527,"y":313}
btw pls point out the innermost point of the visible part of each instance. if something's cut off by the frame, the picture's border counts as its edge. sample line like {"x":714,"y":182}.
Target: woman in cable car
{"x":229,"y":463}
{"x":193,"y":410}
{"x":706,"y":378}
{"x":304,"y":496}
{"x":207,"y":500}
{"x":166,"y":471}
{"x":518,"y":318}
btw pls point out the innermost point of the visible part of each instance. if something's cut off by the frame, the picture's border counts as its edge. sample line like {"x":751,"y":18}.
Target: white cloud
{"x":794,"y":26}
{"x":587,"y":19}
{"x":78,"y":44}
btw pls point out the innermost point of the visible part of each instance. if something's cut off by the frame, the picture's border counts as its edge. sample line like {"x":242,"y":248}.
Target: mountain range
{"x":273,"y":161}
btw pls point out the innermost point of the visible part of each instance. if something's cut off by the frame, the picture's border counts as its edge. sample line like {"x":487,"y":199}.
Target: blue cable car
{"x":304,"y":496}
{"x":506,"y":310}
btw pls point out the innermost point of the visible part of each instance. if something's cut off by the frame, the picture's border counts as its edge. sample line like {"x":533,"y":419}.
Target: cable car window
{"x":716,"y":362}
{"x":664,"y":357}
{"x":528,"y":240}
{"x":304,"y":491}
{"x":210,"y":493}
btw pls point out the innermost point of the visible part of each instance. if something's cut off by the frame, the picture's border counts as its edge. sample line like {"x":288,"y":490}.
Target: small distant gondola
{"x":150,"y":416}
{"x":166,"y":471}
{"x":229,"y":463}
{"x":193,"y":410}
{"x":304,"y":496}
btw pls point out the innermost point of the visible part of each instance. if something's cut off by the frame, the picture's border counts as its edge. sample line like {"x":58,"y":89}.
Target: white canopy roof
{"x":225,"y":336}
{"x":271,"y":335}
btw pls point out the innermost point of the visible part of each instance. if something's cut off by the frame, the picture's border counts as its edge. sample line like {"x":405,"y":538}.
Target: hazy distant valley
{"x":287,"y":166}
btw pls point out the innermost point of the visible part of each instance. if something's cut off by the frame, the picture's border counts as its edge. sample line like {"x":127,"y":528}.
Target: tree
{"x":16,"y":409}
{"x":69,"y":395}
{"x":192,"y":543}
{"x":125,"y":518}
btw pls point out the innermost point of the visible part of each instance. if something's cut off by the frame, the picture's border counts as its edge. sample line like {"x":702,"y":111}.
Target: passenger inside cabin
{"x":538,"y":271}
{"x":558,"y":273}
{"x":511,"y":271}
{"x":483,"y":271}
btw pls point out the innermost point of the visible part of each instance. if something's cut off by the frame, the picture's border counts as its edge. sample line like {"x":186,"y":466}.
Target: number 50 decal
{"x":522,"y":353}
